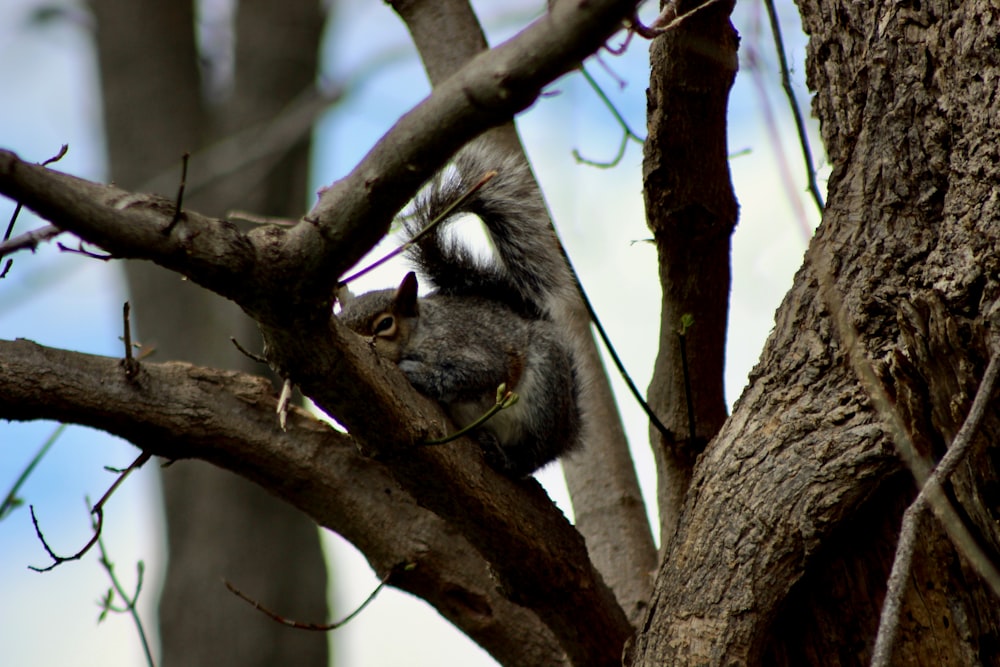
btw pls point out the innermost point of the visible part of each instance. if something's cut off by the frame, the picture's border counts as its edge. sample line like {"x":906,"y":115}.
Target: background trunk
{"x":157,"y":108}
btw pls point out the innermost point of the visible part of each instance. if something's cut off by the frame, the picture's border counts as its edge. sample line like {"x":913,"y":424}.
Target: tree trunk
{"x":218,"y":525}
{"x":787,"y":530}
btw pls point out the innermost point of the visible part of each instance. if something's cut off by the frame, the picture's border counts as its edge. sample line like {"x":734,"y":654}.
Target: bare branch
{"x":305,"y":625}
{"x":800,"y":125}
{"x":98,"y":521}
{"x":179,"y":201}
{"x":129,"y":362}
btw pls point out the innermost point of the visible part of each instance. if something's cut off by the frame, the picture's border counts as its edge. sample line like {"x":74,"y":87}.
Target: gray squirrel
{"x":486,"y":322}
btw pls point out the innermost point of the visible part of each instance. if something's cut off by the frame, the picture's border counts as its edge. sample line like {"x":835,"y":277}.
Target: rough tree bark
{"x":787,"y":530}
{"x":156,"y":107}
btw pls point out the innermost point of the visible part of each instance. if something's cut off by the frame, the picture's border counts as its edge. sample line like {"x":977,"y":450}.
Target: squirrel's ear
{"x":406,"y":296}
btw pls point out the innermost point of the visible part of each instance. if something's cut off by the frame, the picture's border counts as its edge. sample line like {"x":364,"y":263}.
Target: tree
{"x":157,"y":97}
{"x":880,"y":345}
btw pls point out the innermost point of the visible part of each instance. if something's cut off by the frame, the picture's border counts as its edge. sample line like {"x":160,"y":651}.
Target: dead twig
{"x":301,"y":625}
{"x":97,"y":511}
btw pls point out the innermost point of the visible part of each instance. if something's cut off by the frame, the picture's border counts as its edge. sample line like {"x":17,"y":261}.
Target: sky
{"x":48,"y":80}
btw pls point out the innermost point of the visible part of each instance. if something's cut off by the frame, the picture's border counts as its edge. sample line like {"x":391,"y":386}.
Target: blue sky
{"x":48,"y":77}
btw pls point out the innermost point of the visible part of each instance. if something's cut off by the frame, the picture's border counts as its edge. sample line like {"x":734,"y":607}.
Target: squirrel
{"x":486,"y":323}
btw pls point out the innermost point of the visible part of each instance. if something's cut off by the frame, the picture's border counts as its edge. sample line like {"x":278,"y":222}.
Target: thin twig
{"x":29,"y":240}
{"x":623,"y":47}
{"x":129,"y":363}
{"x":179,"y":201}
{"x":247,"y":353}
{"x":626,"y":130}
{"x":617,"y":361}
{"x":79,"y":250}
{"x":320,"y":627}
{"x":57,"y":559}
{"x":754,"y":65}
{"x":800,"y":125}
{"x":620,"y":80}
{"x":505,"y":399}
{"x":98,"y":523}
{"x":13,"y":220}
{"x":11,"y":500}
{"x":58,"y":156}
{"x":891,"y":608}
{"x":130,"y":603}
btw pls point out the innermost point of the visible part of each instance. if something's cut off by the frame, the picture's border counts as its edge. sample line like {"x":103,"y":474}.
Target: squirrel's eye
{"x":385,"y":324}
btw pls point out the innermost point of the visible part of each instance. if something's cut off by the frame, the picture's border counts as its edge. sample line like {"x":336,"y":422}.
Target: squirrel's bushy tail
{"x":529,"y":273}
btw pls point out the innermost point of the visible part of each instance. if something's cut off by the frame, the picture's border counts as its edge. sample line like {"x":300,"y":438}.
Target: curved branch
{"x":227,"y":418}
{"x":351,"y":215}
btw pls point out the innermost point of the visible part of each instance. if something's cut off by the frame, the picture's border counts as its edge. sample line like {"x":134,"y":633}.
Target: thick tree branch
{"x":691,"y":210}
{"x":227,"y":418}
{"x":536,"y":554}
{"x":211,"y":252}
{"x":356,"y":211}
